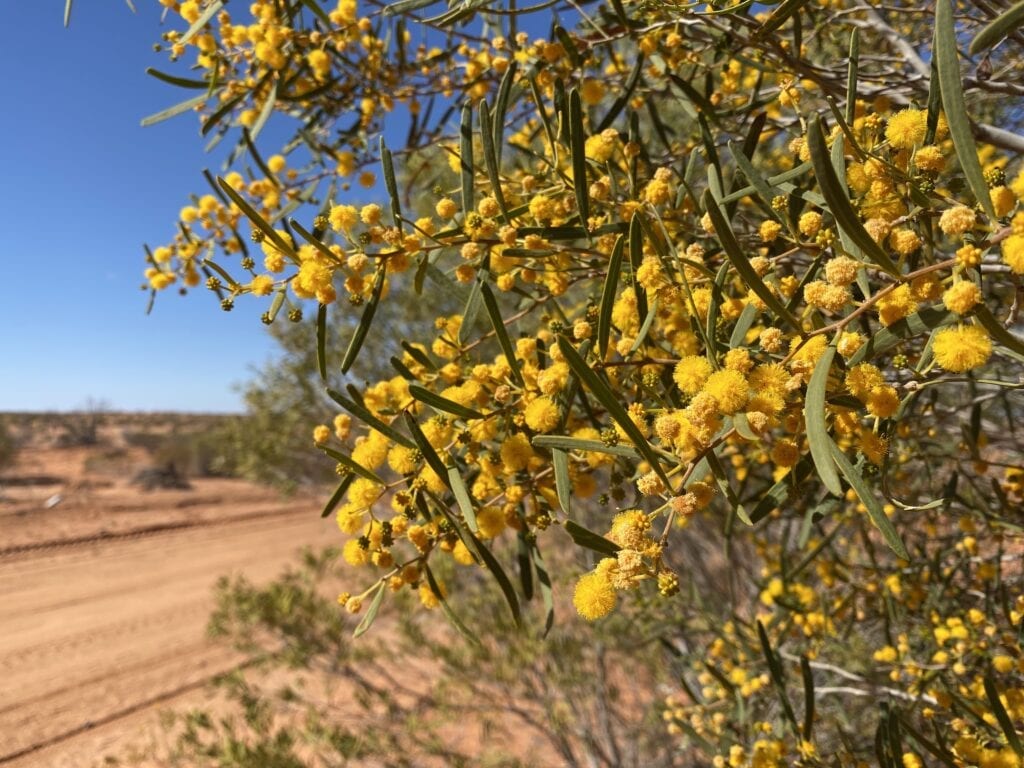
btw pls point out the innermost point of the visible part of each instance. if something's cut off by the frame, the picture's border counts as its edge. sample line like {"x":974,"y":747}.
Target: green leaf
{"x":499,"y":330}
{"x":765,"y":192}
{"x":255,"y":218}
{"x":492,"y":564}
{"x":546,"y":592}
{"x":851,"y":76}
{"x":611,"y":284}
{"x":1001,"y":26}
{"x":371,"y":612}
{"x":868,"y":499}
{"x":439,"y":403}
{"x":742,"y":265}
{"x":346,"y":461}
{"x":817,"y":431}
{"x":204,"y":18}
{"x":321,"y":341}
{"x":501,"y":108}
{"x":999,"y":332}
{"x":781,"y":491}
{"x":776,"y":672}
{"x":838,"y":201}
{"x":67,"y":13}
{"x":364,"y":322}
{"x":743,"y":324}
{"x":722,"y":480}
{"x":429,"y":454}
{"x":388,"y":167}
{"x":181,"y":82}
{"x":577,"y":141}
{"x":491,"y":158}
{"x":221,"y":112}
{"x":313,"y":240}
{"x":466,"y":158}
{"x":611,"y":402}
{"x":778,"y":17}
{"x":916,"y":324}
{"x":590,"y":540}
{"x":406,"y":6}
{"x":448,"y":612}
{"x":563,"y":486}
{"x":177,"y":109}
{"x":462,"y":498}
{"x":948,"y":62}
{"x":627,"y":93}
{"x":318,"y":12}
{"x":364,"y":415}
{"x":808,"y":676}
{"x":338,"y":495}
{"x":564,"y":443}
{"x":1002,"y":716}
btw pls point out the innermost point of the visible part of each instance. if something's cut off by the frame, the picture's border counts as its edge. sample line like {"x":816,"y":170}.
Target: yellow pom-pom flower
{"x":963,"y":348}
{"x":594,"y":597}
{"x":690,"y":373}
{"x":729,"y":388}
{"x":907,"y":128}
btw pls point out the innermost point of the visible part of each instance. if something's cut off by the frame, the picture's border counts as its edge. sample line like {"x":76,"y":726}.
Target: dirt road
{"x":101,"y":632}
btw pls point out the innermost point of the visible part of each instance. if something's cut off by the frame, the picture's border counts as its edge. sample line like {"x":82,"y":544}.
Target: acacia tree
{"x":739,"y":291}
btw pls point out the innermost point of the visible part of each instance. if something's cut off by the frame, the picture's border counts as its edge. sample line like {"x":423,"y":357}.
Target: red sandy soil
{"x":106,"y":592}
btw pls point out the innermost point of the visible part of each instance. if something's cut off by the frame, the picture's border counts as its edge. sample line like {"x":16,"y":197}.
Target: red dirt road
{"x":101,"y":632}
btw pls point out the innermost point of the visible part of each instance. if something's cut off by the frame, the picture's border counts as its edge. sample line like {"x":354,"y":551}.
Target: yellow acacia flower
{"x":691,"y":372}
{"x":962,"y":297}
{"x":729,"y":388}
{"x":542,"y":414}
{"x":906,"y":128}
{"x":962,"y":348}
{"x":594,"y":596}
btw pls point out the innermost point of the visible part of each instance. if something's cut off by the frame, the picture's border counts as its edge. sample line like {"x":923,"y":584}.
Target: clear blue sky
{"x":82,"y":186}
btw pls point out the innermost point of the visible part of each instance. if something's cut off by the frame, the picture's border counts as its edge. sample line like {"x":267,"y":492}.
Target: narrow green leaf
{"x":817,"y":431}
{"x":590,"y":540}
{"x":947,"y":60}
{"x":491,"y":305}
{"x":851,"y":76}
{"x":204,"y":18}
{"x":439,"y":403}
{"x":494,"y":566}
{"x":525,"y":563}
{"x":256,"y":219}
{"x":611,"y":285}
{"x":546,"y":592}
{"x":743,"y":324}
{"x":338,"y":495}
{"x":919,"y":323}
{"x":808,"y":676}
{"x":406,"y":6}
{"x":447,"y":609}
{"x":1005,"y":721}
{"x":722,"y":480}
{"x":1001,"y":26}
{"x":868,"y":499}
{"x":351,"y":464}
{"x":501,"y":109}
{"x":611,"y":402}
{"x":579,"y":157}
{"x":765,"y":192}
{"x":220,"y":113}
{"x":777,"y":676}
{"x":429,"y":454}
{"x":67,"y":13}
{"x":742,"y":265}
{"x":627,"y":93}
{"x":364,"y":415}
{"x":177,"y":109}
{"x":462,"y":498}
{"x":313,"y":240}
{"x":364,"y":322}
{"x":371,"y":612}
{"x":998,"y":331}
{"x":778,"y":17}
{"x":321,"y":341}
{"x":781,"y":491}
{"x":264,"y":114}
{"x":563,"y":486}
{"x":319,"y":13}
{"x":838,"y":201}
{"x":491,"y":158}
{"x":181,"y":82}
{"x":565,"y":443}
{"x":466,"y":157}
{"x":388,"y":167}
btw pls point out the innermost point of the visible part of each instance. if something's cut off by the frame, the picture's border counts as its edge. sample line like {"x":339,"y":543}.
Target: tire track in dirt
{"x":101,"y":631}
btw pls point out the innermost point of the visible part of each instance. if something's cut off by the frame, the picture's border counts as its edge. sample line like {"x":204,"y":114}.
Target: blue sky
{"x":82,"y":187}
